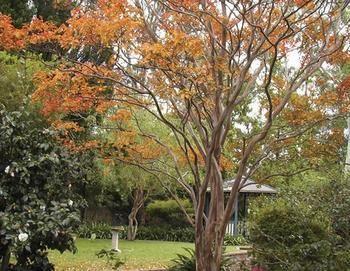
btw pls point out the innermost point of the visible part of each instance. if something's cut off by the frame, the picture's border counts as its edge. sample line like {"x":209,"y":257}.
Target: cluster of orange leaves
{"x":300,"y":111}
{"x":100,"y":26}
{"x":70,"y":89}
{"x":10,"y":37}
{"x":36,"y":32}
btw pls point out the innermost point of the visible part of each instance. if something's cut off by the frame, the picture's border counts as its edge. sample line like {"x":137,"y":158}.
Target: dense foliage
{"x":161,"y":233}
{"x":94,"y":230}
{"x":23,"y":11}
{"x":185,"y":234}
{"x":16,"y":79}
{"x":38,"y":207}
{"x":168,"y":212}
{"x":290,"y":237}
{"x":299,"y":232}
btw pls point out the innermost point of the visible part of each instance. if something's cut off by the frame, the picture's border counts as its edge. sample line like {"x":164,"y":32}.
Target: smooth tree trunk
{"x":210,"y":227}
{"x":347,"y":160}
{"x":138,"y":199}
{"x":210,"y":224}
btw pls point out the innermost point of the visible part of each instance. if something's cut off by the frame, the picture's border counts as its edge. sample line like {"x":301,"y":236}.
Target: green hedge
{"x":95,"y":230}
{"x":103,"y":231}
{"x":166,"y":234}
{"x":167,"y":213}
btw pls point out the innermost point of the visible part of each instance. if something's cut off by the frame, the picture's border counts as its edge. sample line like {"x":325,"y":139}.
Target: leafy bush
{"x":188,"y":262}
{"x":166,"y":234}
{"x":329,"y":198}
{"x":38,"y":209}
{"x":235,"y":240}
{"x":335,"y":200}
{"x":291,"y":236}
{"x":97,"y":230}
{"x":168,"y":212}
{"x":112,"y":258}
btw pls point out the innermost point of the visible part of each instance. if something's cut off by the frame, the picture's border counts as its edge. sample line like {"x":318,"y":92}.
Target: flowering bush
{"x":38,"y":208}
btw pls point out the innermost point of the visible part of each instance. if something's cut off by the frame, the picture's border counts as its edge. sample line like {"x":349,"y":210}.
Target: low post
{"x":115,"y":238}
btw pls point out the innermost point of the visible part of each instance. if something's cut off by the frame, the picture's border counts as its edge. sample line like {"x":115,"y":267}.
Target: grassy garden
{"x":136,"y":254}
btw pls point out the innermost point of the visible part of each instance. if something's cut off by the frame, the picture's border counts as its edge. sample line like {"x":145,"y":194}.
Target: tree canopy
{"x":233,"y":83}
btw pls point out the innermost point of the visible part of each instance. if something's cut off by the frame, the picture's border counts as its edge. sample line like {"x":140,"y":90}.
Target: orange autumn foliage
{"x":186,"y":58}
{"x":69,"y":93}
{"x":300,"y":111}
{"x":10,"y":37}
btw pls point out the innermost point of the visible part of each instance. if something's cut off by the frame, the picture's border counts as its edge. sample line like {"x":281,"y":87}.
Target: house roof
{"x":250,"y":187}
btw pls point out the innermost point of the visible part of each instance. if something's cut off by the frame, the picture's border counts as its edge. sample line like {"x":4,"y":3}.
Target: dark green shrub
{"x":39,"y":209}
{"x":97,"y":230}
{"x":291,"y":236}
{"x":166,"y":234}
{"x":336,"y":202}
{"x":188,"y":262}
{"x":102,"y":230}
{"x":168,"y":212}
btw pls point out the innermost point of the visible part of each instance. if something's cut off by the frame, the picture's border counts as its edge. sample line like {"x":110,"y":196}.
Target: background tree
{"x":140,"y":186}
{"x":23,"y":11}
{"x":17,"y":80}
{"x":19,"y":10}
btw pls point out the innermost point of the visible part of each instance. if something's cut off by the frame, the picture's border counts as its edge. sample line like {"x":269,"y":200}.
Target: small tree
{"x":139,"y":186}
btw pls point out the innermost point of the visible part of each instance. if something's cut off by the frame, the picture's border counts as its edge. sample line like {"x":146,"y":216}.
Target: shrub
{"x":235,"y":240}
{"x":188,"y":262}
{"x":38,"y":211}
{"x":166,"y":234}
{"x":99,"y":230}
{"x":168,"y":212}
{"x":288,"y":236}
{"x":112,"y":258}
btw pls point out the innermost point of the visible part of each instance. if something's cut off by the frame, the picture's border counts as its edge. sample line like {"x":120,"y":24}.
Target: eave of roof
{"x":250,"y":187}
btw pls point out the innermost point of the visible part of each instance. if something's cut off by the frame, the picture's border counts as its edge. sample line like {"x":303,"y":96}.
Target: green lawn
{"x":136,"y":254}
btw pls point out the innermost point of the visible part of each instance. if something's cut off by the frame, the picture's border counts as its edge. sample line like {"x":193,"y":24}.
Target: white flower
{"x":23,"y":237}
{"x":12,"y":174}
{"x":70,"y":202}
{"x":42,"y":207}
{"x":7,"y":169}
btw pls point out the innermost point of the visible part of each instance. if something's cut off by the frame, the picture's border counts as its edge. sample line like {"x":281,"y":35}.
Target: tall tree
{"x":202,"y":69}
